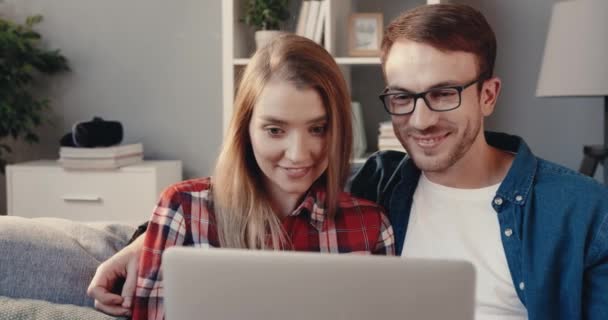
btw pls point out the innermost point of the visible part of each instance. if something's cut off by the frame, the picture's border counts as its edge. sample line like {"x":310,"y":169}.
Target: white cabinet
{"x":238,"y":46}
{"x":44,"y":189}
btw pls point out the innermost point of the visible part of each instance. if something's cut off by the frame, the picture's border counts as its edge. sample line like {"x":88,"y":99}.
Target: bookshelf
{"x":238,"y":45}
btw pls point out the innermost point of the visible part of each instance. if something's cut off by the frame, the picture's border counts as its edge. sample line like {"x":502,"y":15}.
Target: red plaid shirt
{"x":184,"y":217}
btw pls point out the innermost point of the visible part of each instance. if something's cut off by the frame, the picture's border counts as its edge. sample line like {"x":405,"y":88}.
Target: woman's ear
{"x":490,"y":89}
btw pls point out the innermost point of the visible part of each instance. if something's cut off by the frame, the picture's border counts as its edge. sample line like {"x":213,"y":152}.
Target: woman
{"x":279,"y":176}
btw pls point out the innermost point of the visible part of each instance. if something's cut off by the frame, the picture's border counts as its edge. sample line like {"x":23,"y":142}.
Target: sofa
{"x":46,"y":265}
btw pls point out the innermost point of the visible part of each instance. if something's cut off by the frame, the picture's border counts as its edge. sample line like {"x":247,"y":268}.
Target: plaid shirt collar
{"x":313,"y":205}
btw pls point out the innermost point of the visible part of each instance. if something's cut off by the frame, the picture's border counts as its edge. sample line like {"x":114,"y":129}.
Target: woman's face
{"x":288,"y":135}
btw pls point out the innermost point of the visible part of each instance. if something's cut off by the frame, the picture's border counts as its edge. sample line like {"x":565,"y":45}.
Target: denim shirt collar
{"x":518,"y":183}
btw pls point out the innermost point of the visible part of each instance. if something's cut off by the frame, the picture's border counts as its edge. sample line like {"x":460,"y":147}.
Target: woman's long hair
{"x":243,"y":212}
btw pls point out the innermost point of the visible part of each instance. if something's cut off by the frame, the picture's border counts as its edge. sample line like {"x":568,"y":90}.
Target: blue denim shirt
{"x":553,"y":222}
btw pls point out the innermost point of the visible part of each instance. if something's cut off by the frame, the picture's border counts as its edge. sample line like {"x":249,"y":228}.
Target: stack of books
{"x":103,"y":158}
{"x":312,"y":19}
{"x":387,"y":139}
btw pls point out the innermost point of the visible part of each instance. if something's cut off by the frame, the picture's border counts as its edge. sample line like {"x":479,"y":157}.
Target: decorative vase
{"x":263,"y":37}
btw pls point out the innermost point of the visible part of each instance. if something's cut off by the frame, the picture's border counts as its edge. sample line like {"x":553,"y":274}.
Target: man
{"x":536,"y":232}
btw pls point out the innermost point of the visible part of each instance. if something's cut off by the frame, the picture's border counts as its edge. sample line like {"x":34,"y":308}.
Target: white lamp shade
{"x":575,"y":61}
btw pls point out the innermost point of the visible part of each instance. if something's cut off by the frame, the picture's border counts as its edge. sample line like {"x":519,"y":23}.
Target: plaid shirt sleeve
{"x":166,"y":228}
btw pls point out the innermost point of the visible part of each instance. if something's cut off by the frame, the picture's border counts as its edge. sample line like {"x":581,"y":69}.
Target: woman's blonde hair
{"x":243,"y":212}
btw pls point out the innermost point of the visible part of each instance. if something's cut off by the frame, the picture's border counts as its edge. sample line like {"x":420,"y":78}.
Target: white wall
{"x":153,"y":65}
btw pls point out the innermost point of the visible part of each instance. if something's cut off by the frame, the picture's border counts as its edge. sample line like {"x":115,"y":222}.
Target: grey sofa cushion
{"x":54,"y":259}
{"x":22,"y":309}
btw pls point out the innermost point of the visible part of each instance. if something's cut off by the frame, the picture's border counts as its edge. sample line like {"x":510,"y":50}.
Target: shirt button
{"x":508,"y":233}
{"x":498,"y":201}
{"x":522,"y":285}
{"x":519,"y":198}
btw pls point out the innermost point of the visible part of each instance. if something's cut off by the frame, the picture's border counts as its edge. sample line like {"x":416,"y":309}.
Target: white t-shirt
{"x":450,"y":223}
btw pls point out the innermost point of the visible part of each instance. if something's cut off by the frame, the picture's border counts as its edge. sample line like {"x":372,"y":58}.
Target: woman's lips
{"x":296,"y":172}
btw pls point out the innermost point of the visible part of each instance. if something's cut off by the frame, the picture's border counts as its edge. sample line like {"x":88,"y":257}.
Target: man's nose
{"x":423,"y":117}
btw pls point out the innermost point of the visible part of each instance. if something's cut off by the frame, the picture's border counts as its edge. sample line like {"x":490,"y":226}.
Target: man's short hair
{"x":447,"y":27}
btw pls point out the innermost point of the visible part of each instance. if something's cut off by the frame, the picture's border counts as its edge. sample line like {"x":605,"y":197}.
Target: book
{"x":313,"y":16}
{"x":100,"y":164}
{"x":302,"y":18}
{"x":359,"y":139}
{"x":391,"y":146}
{"x":321,"y":21}
{"x":102,"y":152}
{"x":387,"y":140}
{"x":386,"y":131}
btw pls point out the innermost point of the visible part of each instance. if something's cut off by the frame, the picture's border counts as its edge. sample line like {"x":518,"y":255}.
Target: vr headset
{"x":94,"y":133}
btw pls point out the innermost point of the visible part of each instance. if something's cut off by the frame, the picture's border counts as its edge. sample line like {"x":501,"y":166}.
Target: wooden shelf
{"x":349,"y":61}
{"x":358,"y":60}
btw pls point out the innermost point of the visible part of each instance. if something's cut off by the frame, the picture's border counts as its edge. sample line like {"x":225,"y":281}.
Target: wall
{"x":555,"y":128}
{"x":153,"y":65}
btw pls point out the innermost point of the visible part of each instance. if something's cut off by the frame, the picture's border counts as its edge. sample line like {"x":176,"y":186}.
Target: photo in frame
{"x":365,"y":34}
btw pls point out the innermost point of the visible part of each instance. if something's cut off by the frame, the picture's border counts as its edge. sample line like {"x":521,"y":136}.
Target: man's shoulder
{"x":387,"y":158}
{"x":550,"y":174}
{"x":378,"y":175}
{"x":385,"y":162}
{"x":566,"y":187}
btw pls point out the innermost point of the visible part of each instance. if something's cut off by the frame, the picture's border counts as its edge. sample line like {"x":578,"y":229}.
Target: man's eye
{"x":401,"y":98}
{"x":447,"y":93}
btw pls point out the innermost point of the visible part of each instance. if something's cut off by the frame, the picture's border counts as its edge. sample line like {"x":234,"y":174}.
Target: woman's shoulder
{"x":187,"y":189}
{"x":190,"y":200}
{"x":189,"y":186}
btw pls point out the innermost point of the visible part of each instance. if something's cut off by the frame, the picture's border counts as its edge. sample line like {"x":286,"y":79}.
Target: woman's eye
{"x":274,"y":131}
{"x":318,"y":130}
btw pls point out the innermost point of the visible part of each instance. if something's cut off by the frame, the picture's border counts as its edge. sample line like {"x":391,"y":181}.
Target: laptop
{"x":231,"y":284}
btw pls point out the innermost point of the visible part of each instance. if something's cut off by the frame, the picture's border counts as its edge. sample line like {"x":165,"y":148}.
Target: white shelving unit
{"x":238,"y":41}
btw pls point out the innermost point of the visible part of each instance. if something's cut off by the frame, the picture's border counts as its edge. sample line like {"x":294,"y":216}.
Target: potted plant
{"x":22,"y":60}
{"x":265,"y":16}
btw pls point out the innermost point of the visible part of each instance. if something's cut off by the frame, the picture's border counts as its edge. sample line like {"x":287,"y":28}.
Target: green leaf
{"x":22,"y":61}
{"x":32,"y":20}
{"x":266,"y":14}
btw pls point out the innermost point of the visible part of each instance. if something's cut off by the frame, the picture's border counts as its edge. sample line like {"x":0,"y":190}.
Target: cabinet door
{"x":83,"y":196}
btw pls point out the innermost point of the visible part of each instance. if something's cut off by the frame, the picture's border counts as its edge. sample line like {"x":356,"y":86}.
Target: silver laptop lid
{"x":228,"y":284}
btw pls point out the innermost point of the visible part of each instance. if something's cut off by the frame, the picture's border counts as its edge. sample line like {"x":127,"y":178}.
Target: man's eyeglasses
{"x":437,"y":99}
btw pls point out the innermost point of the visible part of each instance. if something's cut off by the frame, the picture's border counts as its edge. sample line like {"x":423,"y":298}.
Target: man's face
{"x":436,"y":141}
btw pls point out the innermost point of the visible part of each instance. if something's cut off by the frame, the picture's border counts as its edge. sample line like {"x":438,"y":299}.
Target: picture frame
{"x":365,"y":34}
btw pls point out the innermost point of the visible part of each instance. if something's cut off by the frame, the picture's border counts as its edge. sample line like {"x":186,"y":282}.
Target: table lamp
{"x":575,"y":63}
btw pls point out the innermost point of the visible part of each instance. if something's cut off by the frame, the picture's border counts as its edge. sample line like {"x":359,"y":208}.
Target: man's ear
{"x":490,"y":90}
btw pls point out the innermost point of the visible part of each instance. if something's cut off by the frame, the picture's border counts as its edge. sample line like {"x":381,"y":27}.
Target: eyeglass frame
{"x":416,"y":96}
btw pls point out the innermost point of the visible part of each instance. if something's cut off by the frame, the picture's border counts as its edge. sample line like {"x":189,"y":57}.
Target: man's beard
{"x":441,"y":163}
